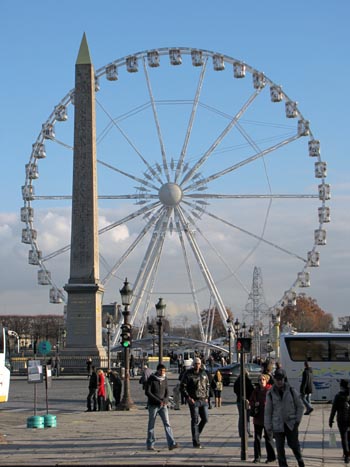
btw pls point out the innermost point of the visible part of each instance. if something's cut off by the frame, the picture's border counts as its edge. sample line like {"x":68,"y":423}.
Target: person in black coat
{"x":306,"y":388}
{"x":341,"y":407}
{"x":249,"y":388}
{"x":92,"y":390}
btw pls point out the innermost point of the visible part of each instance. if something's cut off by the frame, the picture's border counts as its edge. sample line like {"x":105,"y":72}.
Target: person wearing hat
{"x":195,"y":386}
{"x":283,"y":414}
{"x":341,"y":407}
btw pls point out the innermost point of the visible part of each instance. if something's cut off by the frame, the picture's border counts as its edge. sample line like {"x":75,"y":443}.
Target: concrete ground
{"x":118,"y":438}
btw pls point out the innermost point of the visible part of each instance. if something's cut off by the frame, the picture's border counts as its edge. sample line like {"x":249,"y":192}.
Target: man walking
{"x":195,"y":386}
{"x":157,"y":393}
{"x":306,"y":388}
{"x":283,"y":413}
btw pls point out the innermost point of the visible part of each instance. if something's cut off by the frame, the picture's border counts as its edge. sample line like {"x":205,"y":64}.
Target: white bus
{"x":4,"y":365}
{"x":328,"y":355}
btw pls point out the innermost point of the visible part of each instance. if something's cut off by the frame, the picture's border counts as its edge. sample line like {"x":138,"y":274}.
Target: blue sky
{"x":300,"y":45}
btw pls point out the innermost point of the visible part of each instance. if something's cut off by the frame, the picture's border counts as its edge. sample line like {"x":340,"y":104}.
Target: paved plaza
{"x":118,"y":438}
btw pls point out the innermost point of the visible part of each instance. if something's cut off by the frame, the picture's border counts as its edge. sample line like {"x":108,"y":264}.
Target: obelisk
{"x":84,"y":329}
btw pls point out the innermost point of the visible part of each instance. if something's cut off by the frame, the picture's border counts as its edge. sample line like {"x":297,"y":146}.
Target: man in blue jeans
{"x":195,"y":385}
{"x":157,"y":393}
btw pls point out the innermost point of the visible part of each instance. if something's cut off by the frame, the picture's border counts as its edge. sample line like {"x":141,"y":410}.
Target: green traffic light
{"x":126,"y":344}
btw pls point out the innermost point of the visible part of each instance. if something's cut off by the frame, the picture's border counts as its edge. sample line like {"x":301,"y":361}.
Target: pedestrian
{"x":249,"y":388}
{"x":146,"y":373}
{"x":218,"y":387}
{"x":341,"y":407}
{"x":91,"y":398}
{"x":157,"y":392}
{"x":57,"y":366}
{"x":132,"y":365}
{"x":195,"y":385}
{"x":283,"y":414}
{"x":89,"y":366}
{"x":116,"y":382}
{"x":306,"y":388}
{"x":257,"y":403}
{"x":101,"y":390}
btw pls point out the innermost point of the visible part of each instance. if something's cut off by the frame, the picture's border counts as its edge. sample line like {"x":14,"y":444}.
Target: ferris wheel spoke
{"x":191,"y":120}
{"x":190,"y":277}
{"x":202,"y":264}
{"x":242,"y":163}
{"x":217,"y":253}
{"x":218,"y":140}
{"x":133,"y":177}
{"x":139,"y":212}
{"x":126,"y":137}
{"x":152,"y":253}
{"x":246,"y":196}
{"x":131,"y":248}
{"x":274,"y":245}
{"x":156,"y":119}
{"x":130,"y":217}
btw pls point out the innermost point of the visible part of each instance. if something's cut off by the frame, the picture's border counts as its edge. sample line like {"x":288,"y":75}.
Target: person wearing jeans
{"x":195,"y":385}
{"x":157,"y":393}
{"x":306,"y":388}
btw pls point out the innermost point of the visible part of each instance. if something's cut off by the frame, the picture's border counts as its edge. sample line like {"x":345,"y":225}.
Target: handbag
{"x":219,"y":386}
{"x":332,"y":440}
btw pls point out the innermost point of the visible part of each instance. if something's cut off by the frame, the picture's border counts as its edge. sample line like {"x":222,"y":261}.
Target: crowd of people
{"x":273,"y":405}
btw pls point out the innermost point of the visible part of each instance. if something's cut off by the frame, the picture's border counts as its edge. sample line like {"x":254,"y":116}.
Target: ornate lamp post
{"x":126,"y":294}
{"x":160,"y":307}
{"x":108,"y":326}
{"x":229,"y":330}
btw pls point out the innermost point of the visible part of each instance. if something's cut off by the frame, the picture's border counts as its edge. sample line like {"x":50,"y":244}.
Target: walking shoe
{"x":346,"y":460}
{"x":270,"y":460}
{"x":197,"y":446}
{"x":256,"y":461}
{"x":151,"y":448}
{"x":173,"y":446}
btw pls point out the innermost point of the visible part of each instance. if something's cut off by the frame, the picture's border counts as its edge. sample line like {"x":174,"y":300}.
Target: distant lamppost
{"x":160,"y":307}
{"x":126,"y":294}
{"x":108,"y":326}
{"x":152,"y":331}
{"x":243,"y":345}
{"x":229,"y":330}
{"x":251,"y":336}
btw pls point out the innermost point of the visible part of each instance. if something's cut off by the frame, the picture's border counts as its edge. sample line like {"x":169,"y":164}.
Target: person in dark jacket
{"x":157,"y":392}
{"x":341,"y":407}
{"x":116,"y":382}
{"x":91,"y":398}
{"x":257,"y":403}
{"x":195,"y":386}
{"x":306,"y":388}
{"x":249,"y":388}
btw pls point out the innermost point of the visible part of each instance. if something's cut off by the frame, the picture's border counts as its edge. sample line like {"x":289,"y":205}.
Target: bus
{"x":328,"y":355}
{"x":4,"y":365}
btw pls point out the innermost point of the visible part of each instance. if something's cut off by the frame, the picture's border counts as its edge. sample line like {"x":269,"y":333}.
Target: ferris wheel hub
{"x":170,"y":194}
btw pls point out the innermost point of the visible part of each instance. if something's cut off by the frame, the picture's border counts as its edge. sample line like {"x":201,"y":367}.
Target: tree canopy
{"x":307,"y":316}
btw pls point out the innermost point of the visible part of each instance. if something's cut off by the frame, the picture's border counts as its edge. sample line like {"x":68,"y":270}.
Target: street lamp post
{"x":243,"y":345}
{"x":108,"y":326}
{"x":160,"y":307}
{"x":126,"y":294}
{"x":229,"y":330}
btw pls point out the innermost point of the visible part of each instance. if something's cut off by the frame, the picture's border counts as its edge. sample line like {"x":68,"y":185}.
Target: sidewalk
{"x":118,"y":438}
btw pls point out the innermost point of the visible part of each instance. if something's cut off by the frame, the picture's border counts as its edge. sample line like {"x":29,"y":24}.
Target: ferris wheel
{"x":206,"y":168}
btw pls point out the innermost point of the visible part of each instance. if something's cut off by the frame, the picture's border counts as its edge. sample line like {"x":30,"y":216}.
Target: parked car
{"x":231,"y":372}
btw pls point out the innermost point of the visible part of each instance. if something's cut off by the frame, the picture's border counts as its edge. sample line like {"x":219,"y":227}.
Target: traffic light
{"x":243,"y":344}
{"x":126,"y":335}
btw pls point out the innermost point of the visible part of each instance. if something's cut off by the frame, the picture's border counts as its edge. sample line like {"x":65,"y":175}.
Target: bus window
{"x":308,"y":349}
{"x":339,"y":350}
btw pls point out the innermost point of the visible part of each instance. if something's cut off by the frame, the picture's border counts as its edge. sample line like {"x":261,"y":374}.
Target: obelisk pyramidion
{"x":84,"y":329}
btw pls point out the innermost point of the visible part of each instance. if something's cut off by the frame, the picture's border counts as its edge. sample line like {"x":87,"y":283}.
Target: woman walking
{"x":341,"y":407}
{"x":101,"y":390}
{"x":217,"y":386}
{"x":257,"y":407}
